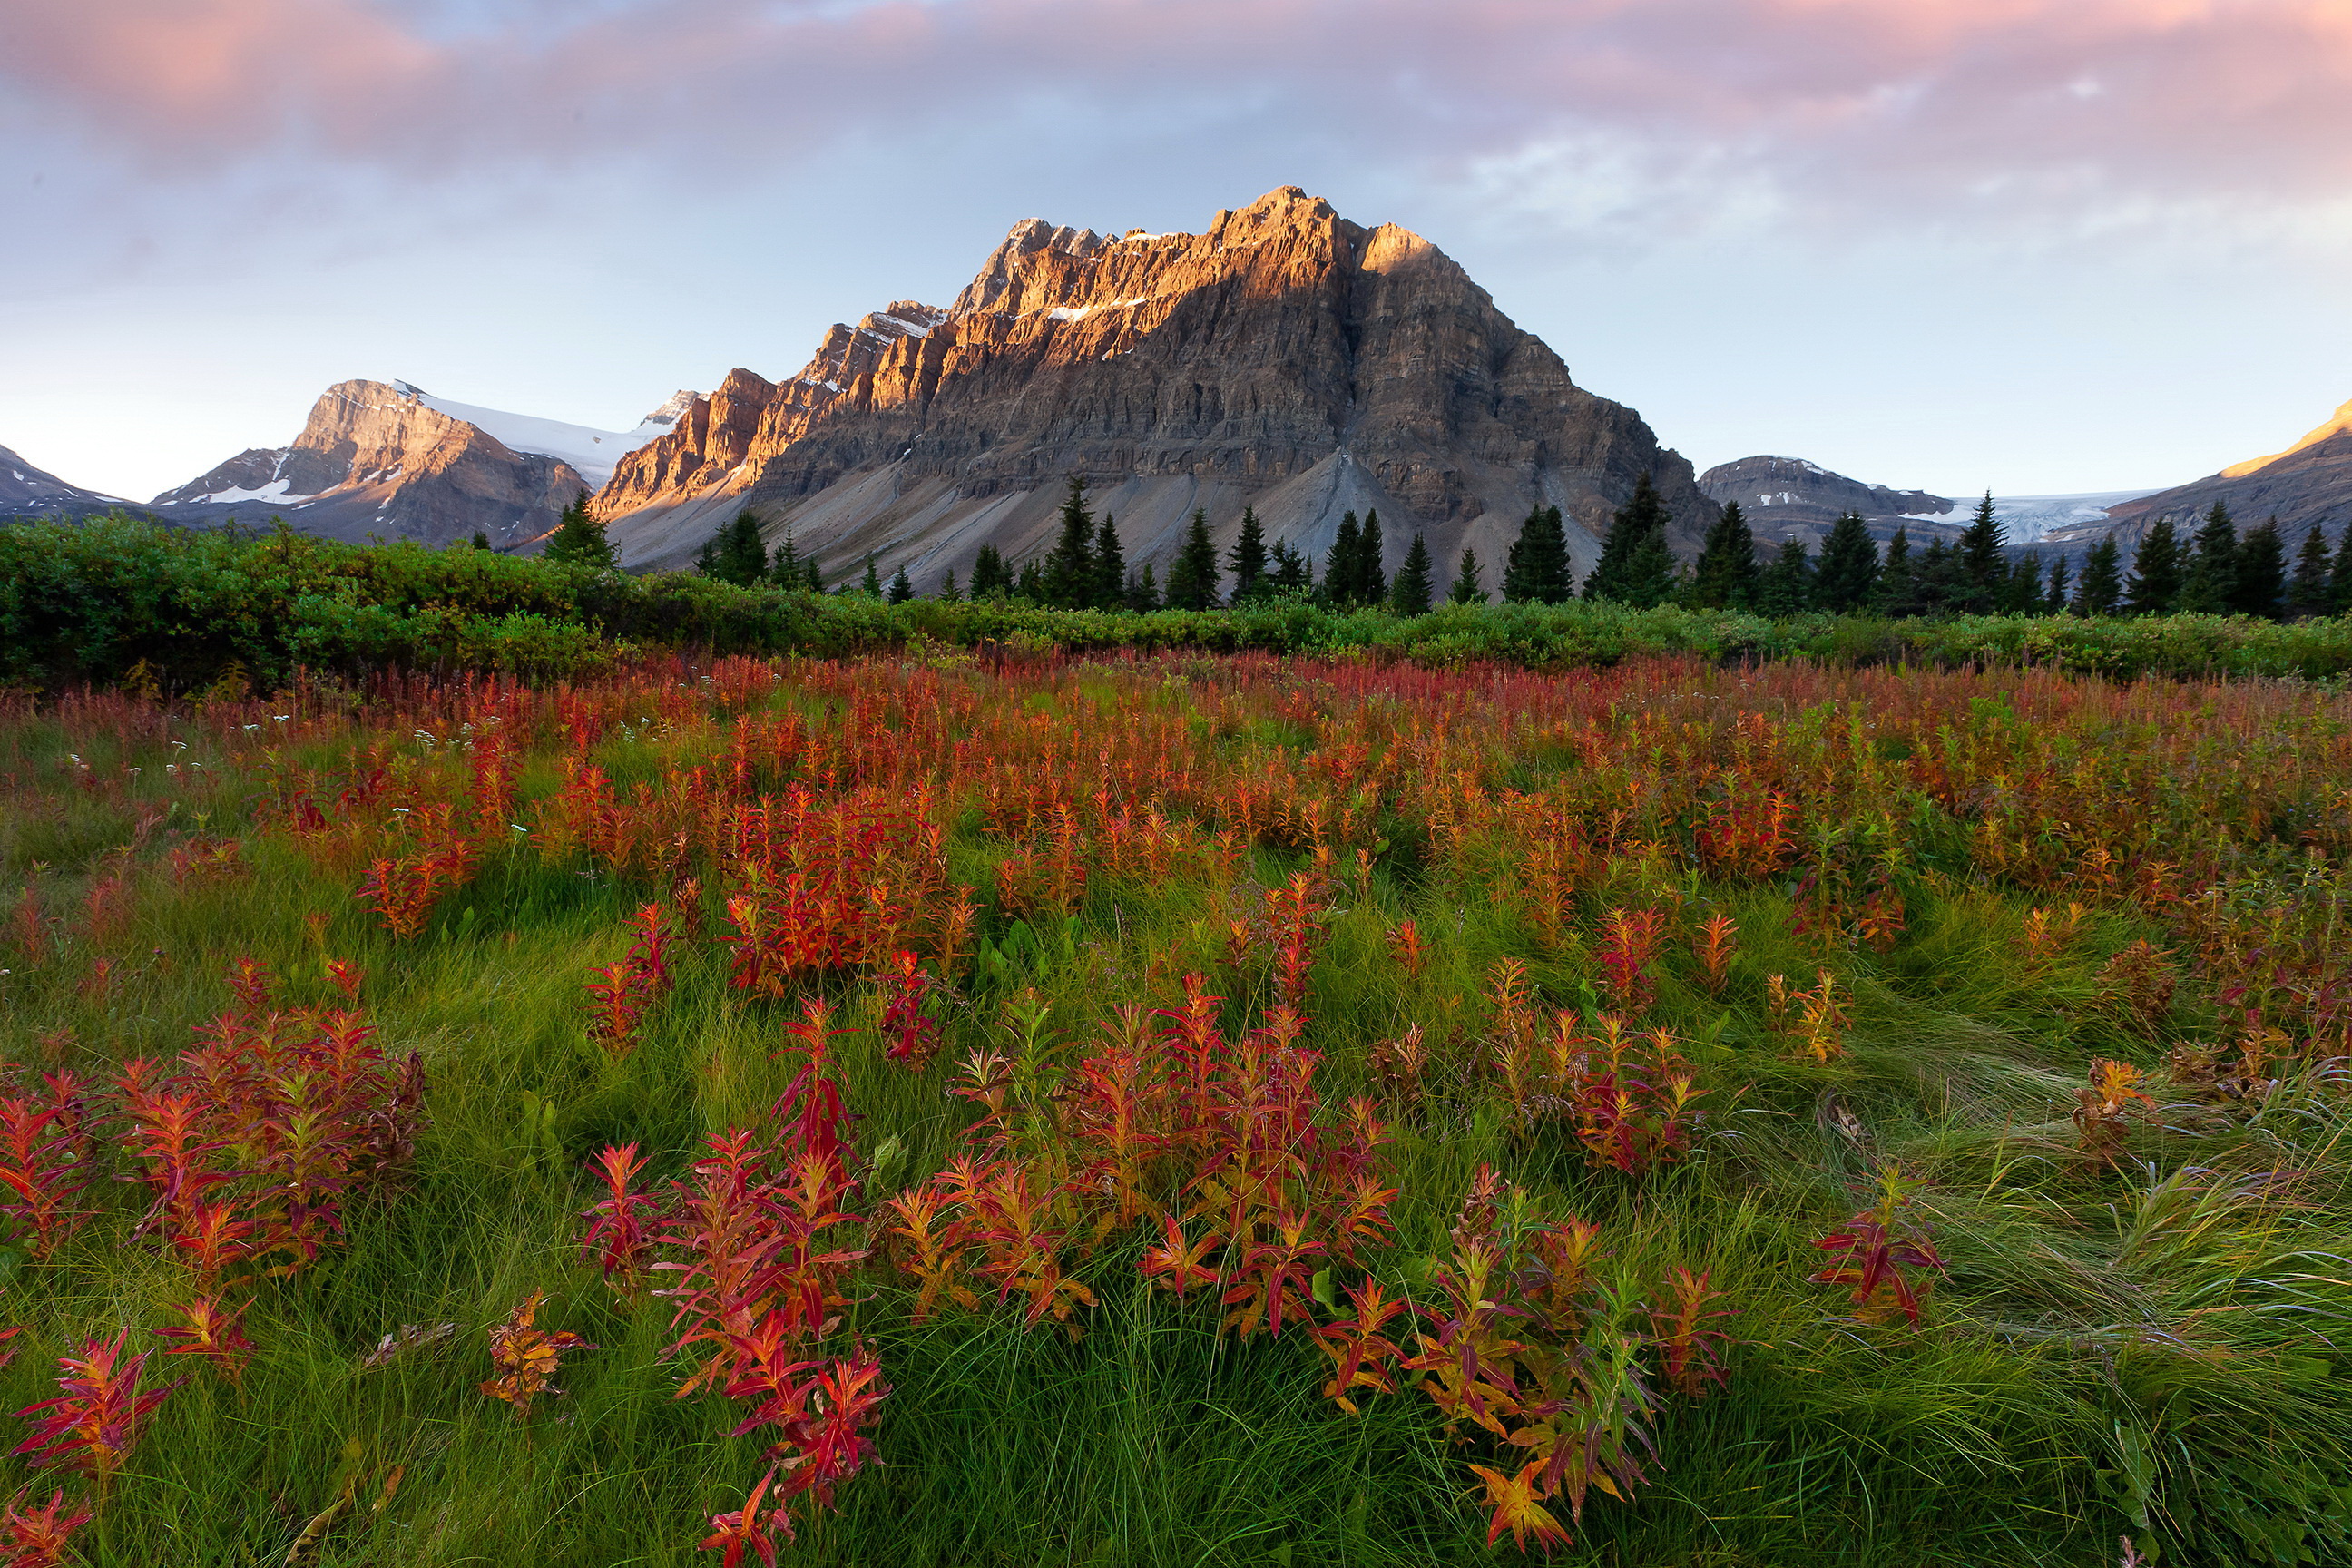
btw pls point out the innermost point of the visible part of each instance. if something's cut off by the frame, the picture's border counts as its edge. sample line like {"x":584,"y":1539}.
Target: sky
{"x":2032,"y":246}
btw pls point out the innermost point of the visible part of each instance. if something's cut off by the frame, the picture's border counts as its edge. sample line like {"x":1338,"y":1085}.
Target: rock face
{"x":1789,"y":498}
{"x":2309,"y":483}
{"x":376,"y":459}
{"x":26,"y":491}
{"x":1284,"y":359}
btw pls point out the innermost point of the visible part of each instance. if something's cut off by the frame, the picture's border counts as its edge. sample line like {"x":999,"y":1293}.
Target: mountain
{"x":1285,"y":359}
{"x":2310,"y":482}
{"x":390,"y":460}
{"x":1789,"y":498}
{"x":28,"y":491}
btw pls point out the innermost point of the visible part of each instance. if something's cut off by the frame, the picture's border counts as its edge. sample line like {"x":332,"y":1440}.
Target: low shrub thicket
{"x":93,"y":601}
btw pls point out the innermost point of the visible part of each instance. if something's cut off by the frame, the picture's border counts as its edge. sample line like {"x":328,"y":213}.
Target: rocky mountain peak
{"x":1283,"y":359}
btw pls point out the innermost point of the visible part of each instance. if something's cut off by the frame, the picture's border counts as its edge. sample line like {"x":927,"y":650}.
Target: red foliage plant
{"x":92,"y":1424}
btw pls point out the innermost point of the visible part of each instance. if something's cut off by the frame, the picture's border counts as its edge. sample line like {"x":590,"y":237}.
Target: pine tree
{"x":1110,"y":568}
{"x":2054,"y":603}
{"x":579,"y":539}
{"x":1787,"y":586}
{"x":1898,"y":580}
{"x":2021,"y":590}
{"x":2101,"y":591}
{"x":1248,"y":559}
{"x":990,"y":578}
{"x":1848,"y":576}
{"x":2209,"y":582}
{"x":1982,"y":568}
{"x":815,"y":581}
{"x":1635,"y":566}
{"x":481,"y":539}
{"x":2308,"y":594}
{"x":1467,"y":589}
{"x":1410,"y":593}
{"x":2339,"y":583}
{"x":1340,"y":565}
{"x":902,"y":587}
{"x":2155,"y":587}
{"x":1293,"y":571}
{"x":2259,"y":585}
{"x":739,"y":557}
{"x":947,"y":593}
{"x":1939,"y":582}
{"x":1372,"y":579}
{"x":1070,"y":566}
{"x":1030,"y":583}
{"x":1192,"y":575}
{"x":784,"y":566}
{"x":1537,"y":569}
{"x":872,"y":585}
{"x":1726,"y":571}
{"x":1143,"y":593}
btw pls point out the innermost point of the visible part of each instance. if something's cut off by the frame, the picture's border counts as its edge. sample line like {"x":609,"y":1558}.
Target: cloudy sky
{"x":2036,"y":244}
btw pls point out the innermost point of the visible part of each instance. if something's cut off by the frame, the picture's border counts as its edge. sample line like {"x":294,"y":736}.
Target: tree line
{"x":2215,"y":570}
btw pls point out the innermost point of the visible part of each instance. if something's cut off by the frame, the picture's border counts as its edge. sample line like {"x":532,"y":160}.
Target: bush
{"x":88,"y":602}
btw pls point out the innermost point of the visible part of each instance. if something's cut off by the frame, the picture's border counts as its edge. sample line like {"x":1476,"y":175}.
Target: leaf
{"x":1320,"y":1289}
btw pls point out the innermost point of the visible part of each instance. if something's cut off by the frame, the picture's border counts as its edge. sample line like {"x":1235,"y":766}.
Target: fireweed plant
{"x":1177,"y":1109}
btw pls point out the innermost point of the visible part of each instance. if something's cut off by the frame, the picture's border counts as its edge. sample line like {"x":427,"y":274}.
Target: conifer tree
{"x":2259,"y":585}
{"x":1982,"y":568}
{"x":1635,"y":566}
{"x":1340,"y":565}
{"x":2020,"y":591}
{"x":990,"y":578}
{"x":1293,"y":571}
{"x":1070,"y":566}
{"x":1372,"y":577}
{"x":1847,"y":580}
{"x":1787,"y":586}
{"x":2308,"y":594}
{"x":1726,"y":571}
{"x":1935,"y":579}
{"x":1899,"y":579}
{"x":2208,"y":580}
{"x":2339,"y":583}
{"x":1030,"y":583}
{"x":1192,"y":575}
{"x":1537,"y":569}
{"x":2101,"y":591}
{"x":947,"y":593}
{"x":872,"y":586}
{"x":1110,"y":568}
{"x":816,"y":574}
{"x":1143,"y":593}
{"x":1410,"y":593}
{"x":1248,"y":558}
{"x":481,"y":539}
{"x":2054,"y":602}
{"x":1467,"y":589}
{"x":579,"y":539}
{"x":784,"y":566}
{"x":902,"y":587}
{"x":2155,"y":587}
{"x":736,"y":554}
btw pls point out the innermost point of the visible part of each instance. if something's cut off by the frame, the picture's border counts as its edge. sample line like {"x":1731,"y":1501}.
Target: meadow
{"x":1157,"y":1106}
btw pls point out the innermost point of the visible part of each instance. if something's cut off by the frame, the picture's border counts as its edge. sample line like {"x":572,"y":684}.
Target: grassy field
{"x":1808,"y":1116}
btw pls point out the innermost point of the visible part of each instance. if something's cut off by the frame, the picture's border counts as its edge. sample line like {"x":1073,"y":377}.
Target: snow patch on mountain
{"x":590,"y":450}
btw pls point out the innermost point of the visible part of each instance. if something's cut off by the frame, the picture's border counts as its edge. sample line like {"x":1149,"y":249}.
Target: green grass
{"x":2147,"y":1350}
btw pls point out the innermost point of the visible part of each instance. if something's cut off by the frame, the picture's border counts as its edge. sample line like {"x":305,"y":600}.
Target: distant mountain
{"x":1789,"y":498}
{"x":28,"y":491}
{"x":2310,"y":482}
{"x":1285,"y":359}
{"x":390,"y":460}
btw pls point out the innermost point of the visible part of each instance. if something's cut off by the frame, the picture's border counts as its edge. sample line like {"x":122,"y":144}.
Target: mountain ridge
{"x":1284,"y":359}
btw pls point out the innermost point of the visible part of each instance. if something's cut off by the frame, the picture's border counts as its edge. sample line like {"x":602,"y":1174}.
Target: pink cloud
{"x":2054,"y":101}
